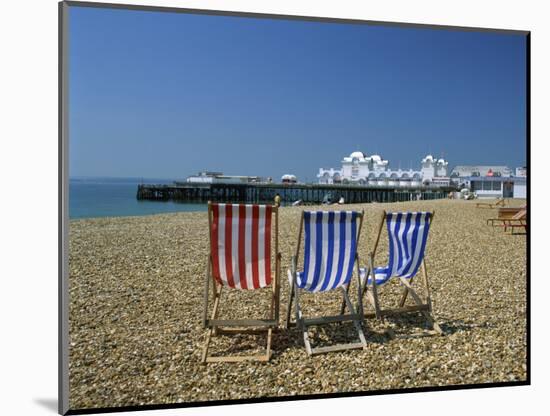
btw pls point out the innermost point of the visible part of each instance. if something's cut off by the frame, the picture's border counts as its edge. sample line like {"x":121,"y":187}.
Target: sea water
{"x":116,"y":197}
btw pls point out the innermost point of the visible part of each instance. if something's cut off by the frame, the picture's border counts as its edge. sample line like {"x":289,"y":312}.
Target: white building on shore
{"x":360,"y":169}
{"x":492,"y":181}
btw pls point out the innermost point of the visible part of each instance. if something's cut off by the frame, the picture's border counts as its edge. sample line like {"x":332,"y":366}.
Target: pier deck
{"x":307,"y":193}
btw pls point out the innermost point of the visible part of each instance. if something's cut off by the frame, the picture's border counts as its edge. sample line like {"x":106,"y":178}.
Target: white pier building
{"x":360,"y":169}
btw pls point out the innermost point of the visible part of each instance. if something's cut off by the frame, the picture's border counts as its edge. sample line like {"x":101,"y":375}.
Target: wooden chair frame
{"x":504,"y":214}
{"x":519,"y":220}
{"x":514,"y":223}
{"x":425,"y":307}
{"x":215,"y":326}
{"x":500,"y":202}
{"x":303,"y":323}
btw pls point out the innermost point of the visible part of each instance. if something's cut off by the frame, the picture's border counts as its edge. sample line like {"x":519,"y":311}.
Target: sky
{"x":166,"y":95}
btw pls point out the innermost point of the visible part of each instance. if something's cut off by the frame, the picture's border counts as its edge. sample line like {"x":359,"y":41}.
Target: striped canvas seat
{"x":330,"y":253}
{"x":330,"y":241}
{"x":241,"y":256}
{"x":407,"y":234}
{"x":407,"y":238}
{"x":241,"y":245}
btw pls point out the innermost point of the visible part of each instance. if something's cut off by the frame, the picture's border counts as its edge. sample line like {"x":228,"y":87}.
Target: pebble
{"x":136,"y":301}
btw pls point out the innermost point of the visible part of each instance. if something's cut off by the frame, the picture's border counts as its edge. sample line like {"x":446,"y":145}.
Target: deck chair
{"x":241,"y":259}
{"x":519,"y":220}
{"x":407,"y":234}
{"x":499,"y":202}
{"x":330,"y":253}
{"x":517,"y":223}
{"x":506,"y":215}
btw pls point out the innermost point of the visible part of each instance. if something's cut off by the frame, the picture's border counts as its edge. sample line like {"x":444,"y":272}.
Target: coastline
{"x":136,"y":286}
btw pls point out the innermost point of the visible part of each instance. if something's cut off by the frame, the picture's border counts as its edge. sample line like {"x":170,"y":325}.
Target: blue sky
{"x":166,"y":95}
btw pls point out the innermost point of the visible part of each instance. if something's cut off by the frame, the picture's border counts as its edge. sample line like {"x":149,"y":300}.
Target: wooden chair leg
{"x":404,"y":296}
{"x":272,"y":306}
{"x":429,"y":297}
{"x":289,"y":306}
{"x":212,"y":330}
{"x":372,"y":298}
{"x":240,"y":358}
{"x":360,"y":308}
{"x":216,"y":311}
{"x":356,"y":322}
{"x":300,"y":322}
{"x":292,"y":279}
{"x":343,"y":307}
{"x":268,"y":348}
{"x":306,"y":341}
{"x":436,"y":326}
{"x":374,"y":289}
{"x":418,"y":301}
{"x":206,"y":345}
{"x":426,"y":285}
{"x":358,"y":270}
{"x":206,"y":283}
{"x":277,"y":287}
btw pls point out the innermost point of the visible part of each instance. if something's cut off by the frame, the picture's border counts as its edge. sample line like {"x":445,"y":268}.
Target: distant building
{"x":491,"y":181}
{"x":442,"y":181}
{"x":287,"y":178}
{"x":358,"y":168}
{"x":477,"y":170}
{"x":521,"y":172}
{"x":520,"y":187}
{"x":432,"y":168}
{"x":218,"y":177}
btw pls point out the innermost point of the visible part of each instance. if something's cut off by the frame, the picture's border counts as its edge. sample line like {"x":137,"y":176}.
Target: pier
{"x":308,"y":193}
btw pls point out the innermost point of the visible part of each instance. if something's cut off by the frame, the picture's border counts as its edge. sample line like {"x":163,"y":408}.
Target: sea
{"x":116,"y":197}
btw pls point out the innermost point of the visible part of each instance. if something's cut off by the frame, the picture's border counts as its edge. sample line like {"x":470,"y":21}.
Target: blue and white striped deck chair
{"x":330,"y":254}
{"x":407,"y":236}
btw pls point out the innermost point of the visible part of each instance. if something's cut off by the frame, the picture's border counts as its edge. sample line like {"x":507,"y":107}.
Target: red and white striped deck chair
{"x":243,"y":245}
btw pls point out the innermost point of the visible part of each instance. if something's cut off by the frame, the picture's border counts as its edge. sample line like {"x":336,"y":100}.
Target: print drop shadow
{"x":48,"y":403}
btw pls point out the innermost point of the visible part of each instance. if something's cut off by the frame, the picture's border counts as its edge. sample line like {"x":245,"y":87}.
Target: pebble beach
{"x":136,"y":302}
